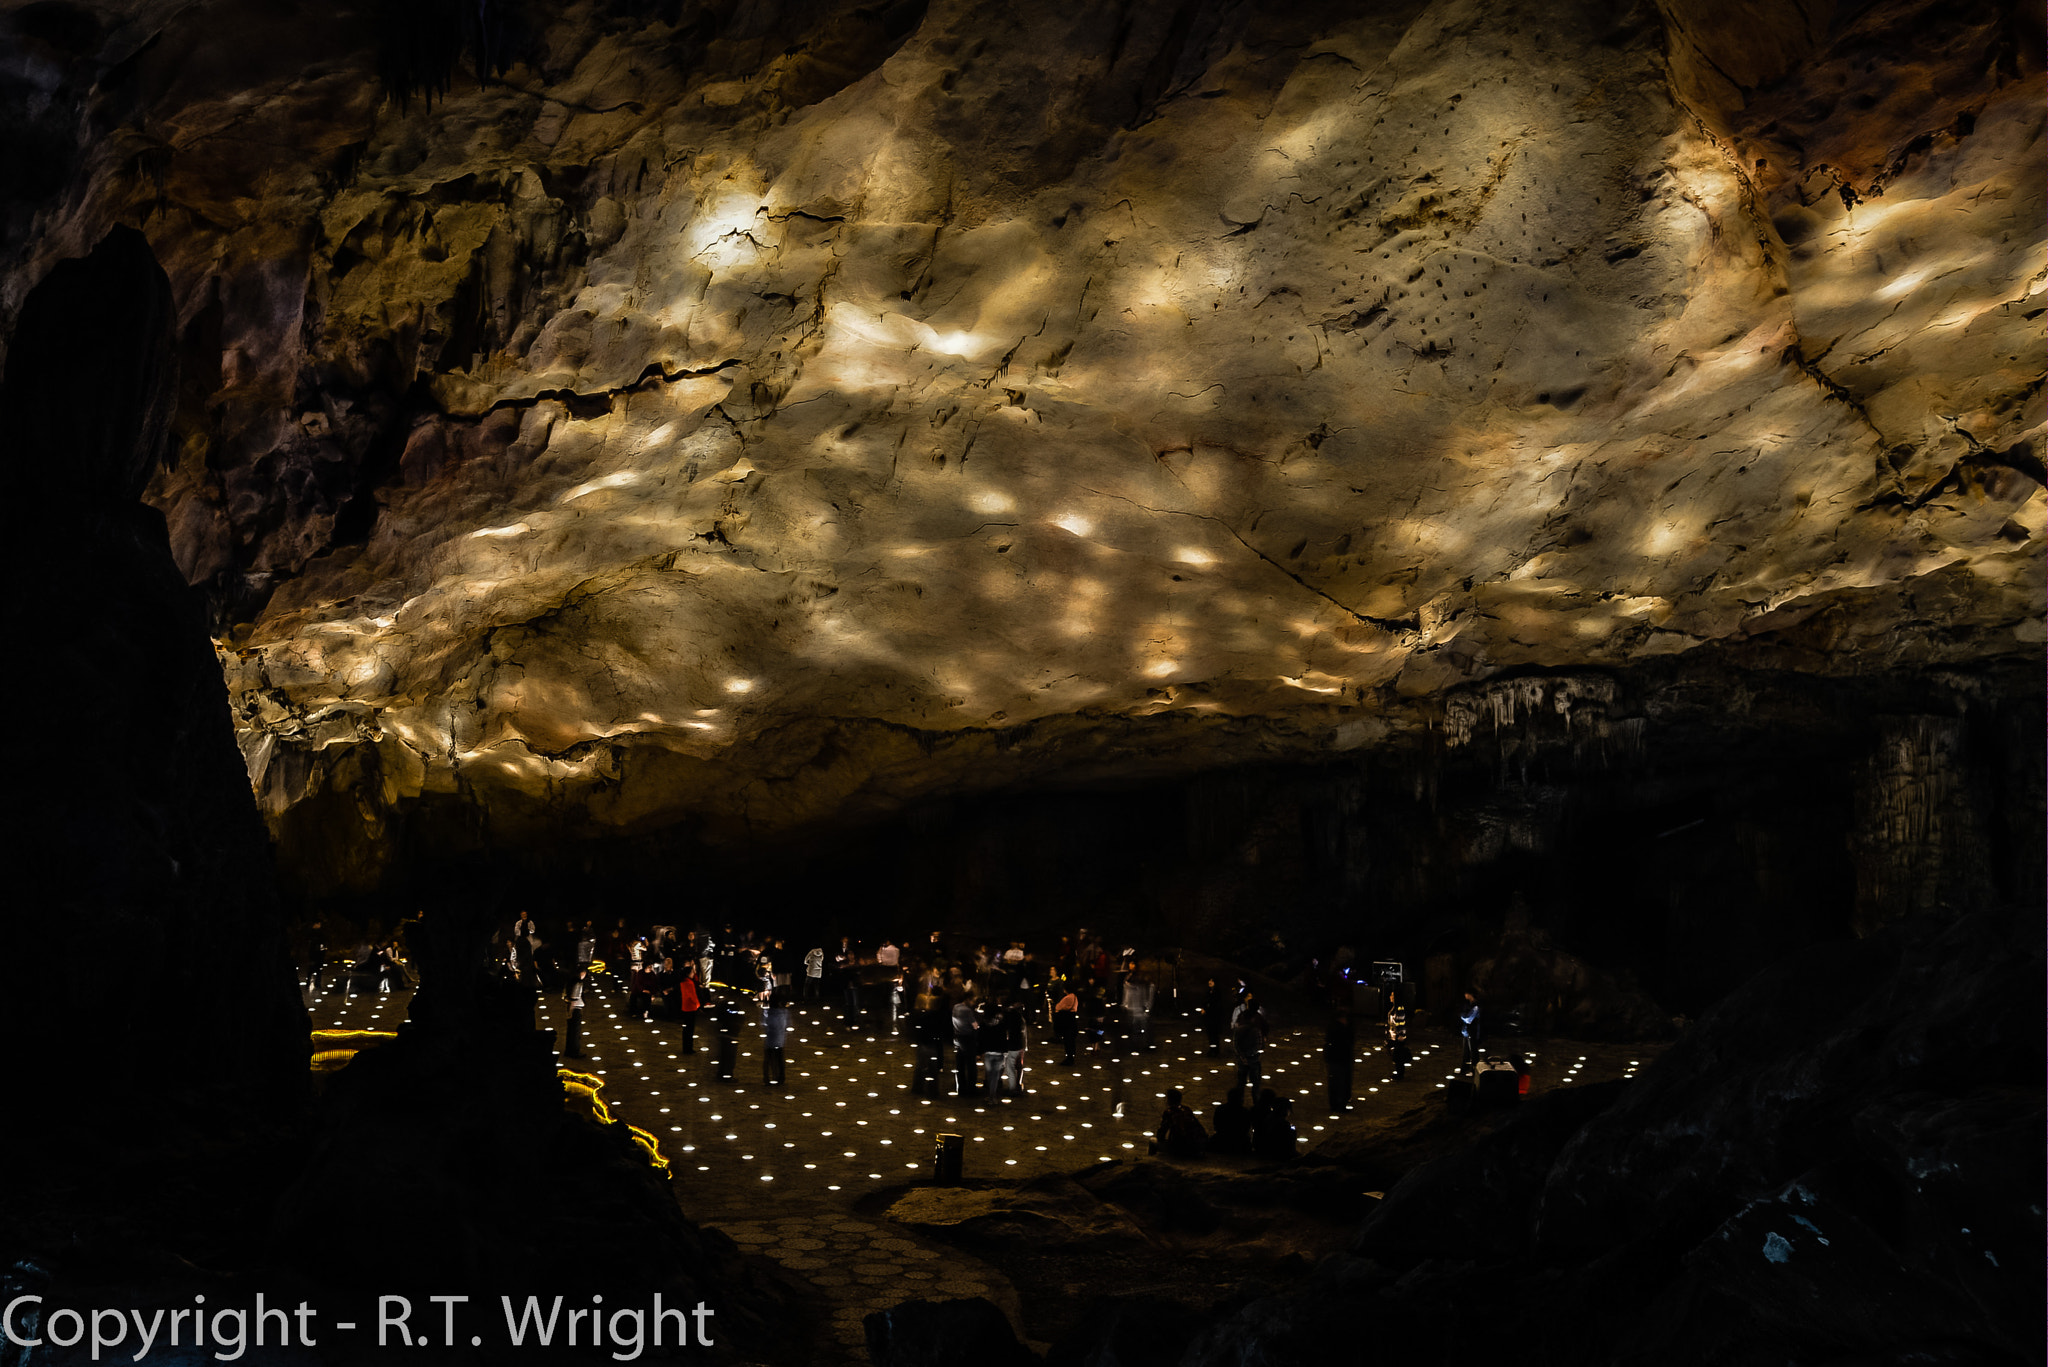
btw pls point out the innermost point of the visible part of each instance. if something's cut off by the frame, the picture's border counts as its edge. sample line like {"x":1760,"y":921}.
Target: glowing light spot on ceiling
{"x":1159,"y":669}
{"x":613,"y":481}
{"x":739,"y":685}
{"x":516,"y":529}
{"x":956,"y":343}
{"x":1190,"y":555}
{"x":991,"y":501}
{"x":1075,"y":523}
{"x":1667,"y":537}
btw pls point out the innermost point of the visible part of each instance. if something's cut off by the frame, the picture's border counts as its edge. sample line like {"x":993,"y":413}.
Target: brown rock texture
{"x":763,"y":416}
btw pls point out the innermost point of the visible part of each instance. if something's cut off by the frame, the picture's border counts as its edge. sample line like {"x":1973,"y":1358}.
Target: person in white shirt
{"x":888,"y":954}
{"x":1138,"y":994}
{"x":814,"y":974}
{"x":572,"y":1031}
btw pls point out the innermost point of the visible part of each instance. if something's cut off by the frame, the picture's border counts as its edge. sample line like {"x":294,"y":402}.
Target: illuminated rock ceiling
{"x":768,"y":424}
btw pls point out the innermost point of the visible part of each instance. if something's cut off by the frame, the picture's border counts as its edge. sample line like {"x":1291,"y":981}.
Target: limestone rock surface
{"x":763,"y":416}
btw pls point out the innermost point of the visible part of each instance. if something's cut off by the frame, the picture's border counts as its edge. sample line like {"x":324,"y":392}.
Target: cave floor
{"x":803,"y":1175}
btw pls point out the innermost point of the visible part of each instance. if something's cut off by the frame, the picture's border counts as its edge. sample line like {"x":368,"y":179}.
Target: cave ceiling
{"x":757,"y":415}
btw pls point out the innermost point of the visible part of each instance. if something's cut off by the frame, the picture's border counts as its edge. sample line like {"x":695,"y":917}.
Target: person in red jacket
{"x":688,"y":1004}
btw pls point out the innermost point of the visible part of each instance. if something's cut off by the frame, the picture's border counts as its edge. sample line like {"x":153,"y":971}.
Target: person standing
{"x":1397,"y":1036}
{"x":1470,"y":1028}
{"x":814,"y":974}
{"x":775,"y":1027}
{"x":1066,"y":1020}
{"x":726,"y":1019}
{"x":889,"y":956}
{"x":526,"y":941}
{"x":1216,"y":1009}
{"x":846,"y":965}
{"x":688,"y":1004}
{"x":1013,"y":1048}
{"x":586,"y":951}
{"x":316,"y":954}
{"x":1340,"y":1044}
{"x":1248,"y":1038}
{"x":965,"y":1046}
{"x":988,"y":1033}
{"x":1138,"y":995}
{"x":637,"y":979}
{"x":930,"y":1028}
{"x":572,"y":1031}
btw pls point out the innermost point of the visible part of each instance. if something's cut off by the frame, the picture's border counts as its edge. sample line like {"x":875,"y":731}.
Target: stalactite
{"x":1917,"y":842}
{"x":422,"y":42}
{"x":1520,"y":711}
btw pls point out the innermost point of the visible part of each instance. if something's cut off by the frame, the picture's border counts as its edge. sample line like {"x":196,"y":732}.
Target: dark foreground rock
{"x":1840,"y":1163}
{"x":1141,"y":1331}
{"x":151,"y":906}
{"x":959,"y":1333}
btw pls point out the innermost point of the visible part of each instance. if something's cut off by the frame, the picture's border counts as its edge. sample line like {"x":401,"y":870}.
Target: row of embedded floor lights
{"x":1079,"y":1094}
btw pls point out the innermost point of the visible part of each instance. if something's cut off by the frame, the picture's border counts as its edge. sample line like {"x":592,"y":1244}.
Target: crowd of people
{"x":975,"y":1018}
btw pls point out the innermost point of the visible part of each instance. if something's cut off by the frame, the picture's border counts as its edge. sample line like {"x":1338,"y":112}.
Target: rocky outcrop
{"x":148,"y":905}
{"x":456,"y":1132}
{"x":760,"y":418}
{"x":1051,"y":1212}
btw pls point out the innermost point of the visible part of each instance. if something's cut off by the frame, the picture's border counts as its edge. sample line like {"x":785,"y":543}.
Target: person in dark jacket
{"x":1179,"y":1133}
{"x":774,"y":998}
{"x":1248,"y":1037}
{"x":931,"y":1028}
{"x":1216,"y":1009}
{"x":966,"y":1048}
{"x":1340,"y":1044}
{"x":1232,"y":1123}
{"x":1001,"y":1034}
{"x":1066,"y":1020}
{"x":572,"y":1029}
{"x":1013,"y":1048}
{"x":1273,"y":1126}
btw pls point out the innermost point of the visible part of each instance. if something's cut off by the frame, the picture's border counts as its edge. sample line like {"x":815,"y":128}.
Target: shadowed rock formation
{"x":146,"y":935}
{"x":1838,"y":1163}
